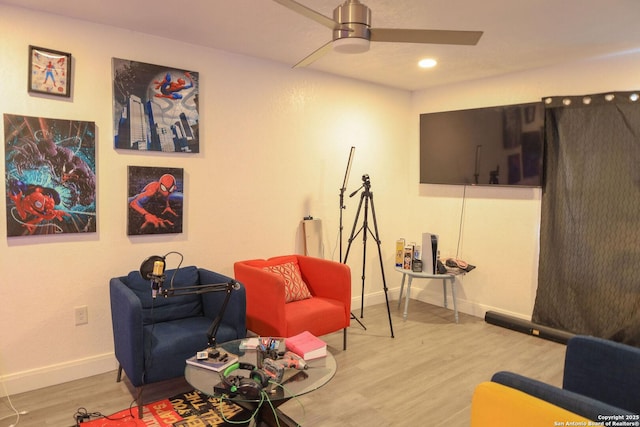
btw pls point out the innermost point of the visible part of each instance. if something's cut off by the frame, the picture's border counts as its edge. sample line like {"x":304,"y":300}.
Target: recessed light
{"x":427,"y":63}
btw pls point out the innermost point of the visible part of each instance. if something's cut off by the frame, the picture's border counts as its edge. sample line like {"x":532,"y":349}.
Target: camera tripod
{"x":367,"y":197}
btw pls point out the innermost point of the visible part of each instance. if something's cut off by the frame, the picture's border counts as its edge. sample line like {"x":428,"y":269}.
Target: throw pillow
{"x":294,"y":287}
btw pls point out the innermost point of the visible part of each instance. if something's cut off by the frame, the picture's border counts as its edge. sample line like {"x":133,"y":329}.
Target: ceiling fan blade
{"x":315,"y":55}
{"x":309,"y":13}
{"x":425,"y":36}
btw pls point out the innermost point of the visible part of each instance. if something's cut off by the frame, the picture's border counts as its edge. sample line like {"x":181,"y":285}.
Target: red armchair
{"x":268,"y":314}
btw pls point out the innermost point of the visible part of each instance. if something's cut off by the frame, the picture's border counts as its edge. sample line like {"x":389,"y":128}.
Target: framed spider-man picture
{"x":155,"y":200}
{"x":49,"y":71}
{"x":50,"y":175}
{"x":155,"y":108}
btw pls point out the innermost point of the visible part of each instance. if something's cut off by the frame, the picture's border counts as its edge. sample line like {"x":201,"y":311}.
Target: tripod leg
{"x":365,"y":226}
{"x":384,"y":282}
{"x":353,"y":234}
{"x":352,"y":237}
{"x":353,"y":316}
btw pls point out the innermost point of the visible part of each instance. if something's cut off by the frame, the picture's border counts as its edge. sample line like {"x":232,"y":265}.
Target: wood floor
{"x":424,"y":376}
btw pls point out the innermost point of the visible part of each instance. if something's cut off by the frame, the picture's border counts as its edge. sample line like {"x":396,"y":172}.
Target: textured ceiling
{"x":518,"y":34}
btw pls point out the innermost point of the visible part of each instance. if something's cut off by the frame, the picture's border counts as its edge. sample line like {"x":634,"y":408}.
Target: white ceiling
{"x":518,"y":34}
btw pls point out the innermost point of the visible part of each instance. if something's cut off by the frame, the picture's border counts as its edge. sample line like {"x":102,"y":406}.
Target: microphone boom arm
{"x":152,"y":268}
{"x":200,"y":289}
{"x":205,"y":289}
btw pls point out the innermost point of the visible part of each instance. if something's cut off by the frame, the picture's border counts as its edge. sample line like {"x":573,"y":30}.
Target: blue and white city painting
{"x":155,"y":108}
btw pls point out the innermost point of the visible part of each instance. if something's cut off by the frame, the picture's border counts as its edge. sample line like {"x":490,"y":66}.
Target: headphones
{"x":250,"y":387}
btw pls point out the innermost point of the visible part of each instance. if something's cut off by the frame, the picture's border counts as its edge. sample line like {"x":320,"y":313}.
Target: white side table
{"x":422,"y":275}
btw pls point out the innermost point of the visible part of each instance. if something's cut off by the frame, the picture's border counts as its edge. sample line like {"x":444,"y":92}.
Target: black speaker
{"x":527,"y":327}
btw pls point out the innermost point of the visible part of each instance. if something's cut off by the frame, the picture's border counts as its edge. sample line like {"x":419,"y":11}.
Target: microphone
{"x":235,"y":285}
{"x":153,"y":269}
{"x":158,"y":268}
{"x":157,"y":277}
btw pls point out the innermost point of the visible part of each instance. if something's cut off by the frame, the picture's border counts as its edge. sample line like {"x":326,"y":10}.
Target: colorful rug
{"x":192,"y":409}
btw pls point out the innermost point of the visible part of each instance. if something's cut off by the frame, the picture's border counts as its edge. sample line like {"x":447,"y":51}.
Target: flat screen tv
{"x":483,"y":146}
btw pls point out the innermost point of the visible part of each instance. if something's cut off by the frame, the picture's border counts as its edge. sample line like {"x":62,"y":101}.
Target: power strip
{"x":82,"y":415}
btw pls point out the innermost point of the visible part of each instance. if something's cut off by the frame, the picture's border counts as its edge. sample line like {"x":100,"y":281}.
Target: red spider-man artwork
{"x":157,"y":206}
{"x":50,"y":179}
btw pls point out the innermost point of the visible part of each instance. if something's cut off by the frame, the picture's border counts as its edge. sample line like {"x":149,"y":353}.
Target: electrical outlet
{"x":82,"y":315}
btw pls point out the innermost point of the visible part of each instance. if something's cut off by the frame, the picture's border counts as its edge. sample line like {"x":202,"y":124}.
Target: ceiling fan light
{"x":351,"y":45}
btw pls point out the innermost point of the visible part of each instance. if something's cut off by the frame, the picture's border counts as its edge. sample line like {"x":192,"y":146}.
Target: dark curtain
{"x":589,"y":266}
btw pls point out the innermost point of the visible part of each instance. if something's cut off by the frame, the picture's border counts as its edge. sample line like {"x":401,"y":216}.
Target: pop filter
{"x":147,"y":270}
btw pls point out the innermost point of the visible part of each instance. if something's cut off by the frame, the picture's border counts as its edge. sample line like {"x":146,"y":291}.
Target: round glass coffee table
{"x":294,"y":383}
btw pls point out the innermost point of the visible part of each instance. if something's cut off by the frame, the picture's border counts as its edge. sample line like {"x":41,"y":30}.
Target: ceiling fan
{"x":352,"y":32}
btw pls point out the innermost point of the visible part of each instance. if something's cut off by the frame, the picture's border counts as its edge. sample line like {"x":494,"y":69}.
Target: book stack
{"x":218,"y":363}
{"x":307,"y":346}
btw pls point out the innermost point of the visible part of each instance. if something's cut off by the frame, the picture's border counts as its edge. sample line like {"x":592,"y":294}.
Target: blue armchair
{"x":599,"y":380}
{"x":154,"y":336}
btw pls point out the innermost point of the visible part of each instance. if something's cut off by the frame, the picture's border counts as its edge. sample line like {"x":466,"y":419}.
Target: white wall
{"x":500,"y":226}
{"x":274,"y":145}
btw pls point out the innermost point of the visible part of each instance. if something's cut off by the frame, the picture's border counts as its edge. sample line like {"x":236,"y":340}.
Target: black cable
{"x":464,"y":202}
{"x":82,"y":415}
{"x":148,"y":356}
{"x":177,"y":268}
{"x":147,"y":362}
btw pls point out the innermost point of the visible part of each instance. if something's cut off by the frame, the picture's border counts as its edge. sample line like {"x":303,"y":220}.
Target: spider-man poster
{"x":155,"y":108}
{"x":155,"y":200}
{"x":50,"y":175}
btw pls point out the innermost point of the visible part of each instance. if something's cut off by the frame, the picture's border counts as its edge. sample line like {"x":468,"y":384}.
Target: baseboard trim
{"x":374,"y":298}
{"x":46,"y":376}
{"x":498,"y":317}
{"x":433,"y":295}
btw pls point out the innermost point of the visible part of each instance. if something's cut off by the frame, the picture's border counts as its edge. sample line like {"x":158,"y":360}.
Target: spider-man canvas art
{"x":50,"y":181}
{"x":155,"y":200}
{"x":155,"y":108}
